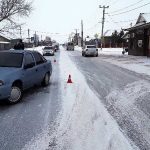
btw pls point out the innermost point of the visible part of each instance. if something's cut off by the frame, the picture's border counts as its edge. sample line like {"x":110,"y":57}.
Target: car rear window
{"x":70,"y":44}
{"x":11,"y":59}
{"x":92,"y":46}
{"x":45,"y":48}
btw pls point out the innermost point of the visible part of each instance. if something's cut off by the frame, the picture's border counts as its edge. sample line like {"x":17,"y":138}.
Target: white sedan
{"x":90,"y":50}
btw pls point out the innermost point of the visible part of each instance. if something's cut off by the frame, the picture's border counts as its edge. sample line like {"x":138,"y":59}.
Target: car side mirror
{"x":29,"y":66}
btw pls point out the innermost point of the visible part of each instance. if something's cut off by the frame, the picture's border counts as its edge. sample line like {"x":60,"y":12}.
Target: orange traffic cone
{"x":69,"y":79}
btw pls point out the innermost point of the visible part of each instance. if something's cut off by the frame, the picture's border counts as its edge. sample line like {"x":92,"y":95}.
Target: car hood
{"x":5,"y":71}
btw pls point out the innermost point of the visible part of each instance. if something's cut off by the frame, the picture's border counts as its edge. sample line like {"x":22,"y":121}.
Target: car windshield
{"x":46,"y":48}
{"x":11,"y":59}
{"x":91,"y":46}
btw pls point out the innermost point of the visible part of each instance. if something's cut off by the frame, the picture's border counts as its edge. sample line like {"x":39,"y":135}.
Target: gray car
{"x":21,"y":70}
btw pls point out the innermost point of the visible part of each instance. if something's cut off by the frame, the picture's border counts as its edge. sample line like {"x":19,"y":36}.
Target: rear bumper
{"x":48,"y":54}
{"x":4,"y":92}
{"x":89,"y":53}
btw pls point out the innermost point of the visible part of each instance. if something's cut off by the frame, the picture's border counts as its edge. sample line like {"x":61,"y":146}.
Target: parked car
{"x":56,"y":47}
{"x":70,"y":46}
{"x":48,"y":51}
{"x":90,"y":50}
{"x":21,"y":70}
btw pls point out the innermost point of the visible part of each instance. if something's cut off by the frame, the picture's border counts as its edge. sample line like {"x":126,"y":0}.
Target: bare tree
{"x":9,"y":10}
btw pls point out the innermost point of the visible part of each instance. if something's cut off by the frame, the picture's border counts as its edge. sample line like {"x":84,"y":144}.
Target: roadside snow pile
{"x":84,"y":123}
{"x":111,"y":51}
{"x":133,"y":103}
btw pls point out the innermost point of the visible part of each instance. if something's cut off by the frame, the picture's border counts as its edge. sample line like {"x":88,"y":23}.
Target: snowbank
{"x":111,"y":51}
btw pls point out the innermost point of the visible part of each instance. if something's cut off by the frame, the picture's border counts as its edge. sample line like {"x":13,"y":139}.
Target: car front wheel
{"x":15,"y":95}
{"x":46,"y":79}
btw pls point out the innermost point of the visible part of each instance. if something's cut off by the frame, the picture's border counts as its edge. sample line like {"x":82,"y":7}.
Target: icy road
{"x":105,"y":108}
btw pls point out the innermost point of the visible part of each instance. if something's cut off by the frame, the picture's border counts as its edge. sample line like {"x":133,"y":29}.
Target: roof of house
{"x":142,"y":21}
{"x":108,"y":33}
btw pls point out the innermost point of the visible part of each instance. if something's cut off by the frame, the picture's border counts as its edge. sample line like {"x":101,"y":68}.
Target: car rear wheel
{"x":46,"y":79}
{"x":15,"y":95}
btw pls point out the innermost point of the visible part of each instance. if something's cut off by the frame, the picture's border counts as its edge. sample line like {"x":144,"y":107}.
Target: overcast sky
{"x":61,"y":17}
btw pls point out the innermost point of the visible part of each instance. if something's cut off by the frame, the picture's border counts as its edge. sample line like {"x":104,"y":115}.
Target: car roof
{"x":90,"y":45}
{"x":48,"y":46}
{"x":18,"y":51}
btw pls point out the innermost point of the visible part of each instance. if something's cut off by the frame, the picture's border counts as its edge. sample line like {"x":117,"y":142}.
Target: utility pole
{"x":35,"y":39}
{"x":103,"y":21}
{"x":41,"y":37}
{"x":20,"y":32}
{"x":76,"y":36}
{"x":81,"y":33}
{"x":29,"y":35}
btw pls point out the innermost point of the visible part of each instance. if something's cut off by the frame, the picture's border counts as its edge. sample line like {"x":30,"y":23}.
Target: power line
{"x":130,"y":10}
{"x":126,"y":7}
{"x":113,"y":20}
{"x":94,"y":26}
{"x":113,"y":2}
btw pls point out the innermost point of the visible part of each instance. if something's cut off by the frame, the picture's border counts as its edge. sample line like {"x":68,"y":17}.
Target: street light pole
{"x":81,"y":33}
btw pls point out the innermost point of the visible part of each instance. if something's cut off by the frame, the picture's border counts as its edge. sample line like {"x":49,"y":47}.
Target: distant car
{"x":48,"y":51}
{"x":21,"y":70}
{"x":70,"y":46}
{"x":56,"y":47}
{"x":90,"y":50}
{"x":11,"y":49}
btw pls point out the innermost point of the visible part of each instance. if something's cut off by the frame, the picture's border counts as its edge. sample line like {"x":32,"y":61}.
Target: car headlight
{"x":1,"y":83}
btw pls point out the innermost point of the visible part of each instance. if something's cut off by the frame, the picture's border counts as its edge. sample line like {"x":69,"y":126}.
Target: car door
{"x":30,"y":71}
{"x":40,"y":66}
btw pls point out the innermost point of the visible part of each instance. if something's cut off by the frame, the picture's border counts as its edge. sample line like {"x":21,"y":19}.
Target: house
{"x":4,"y":43}
{"x":139,"y":36}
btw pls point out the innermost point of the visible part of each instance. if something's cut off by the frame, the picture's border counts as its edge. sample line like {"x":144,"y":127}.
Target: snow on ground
{"x":133,"y":103}
{"x":138,"y":64}
{"x":84,"y":123}
{"x":105,"y":51}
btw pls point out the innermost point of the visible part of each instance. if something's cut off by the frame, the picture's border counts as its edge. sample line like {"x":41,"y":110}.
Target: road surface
{"x":115,"y":85}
